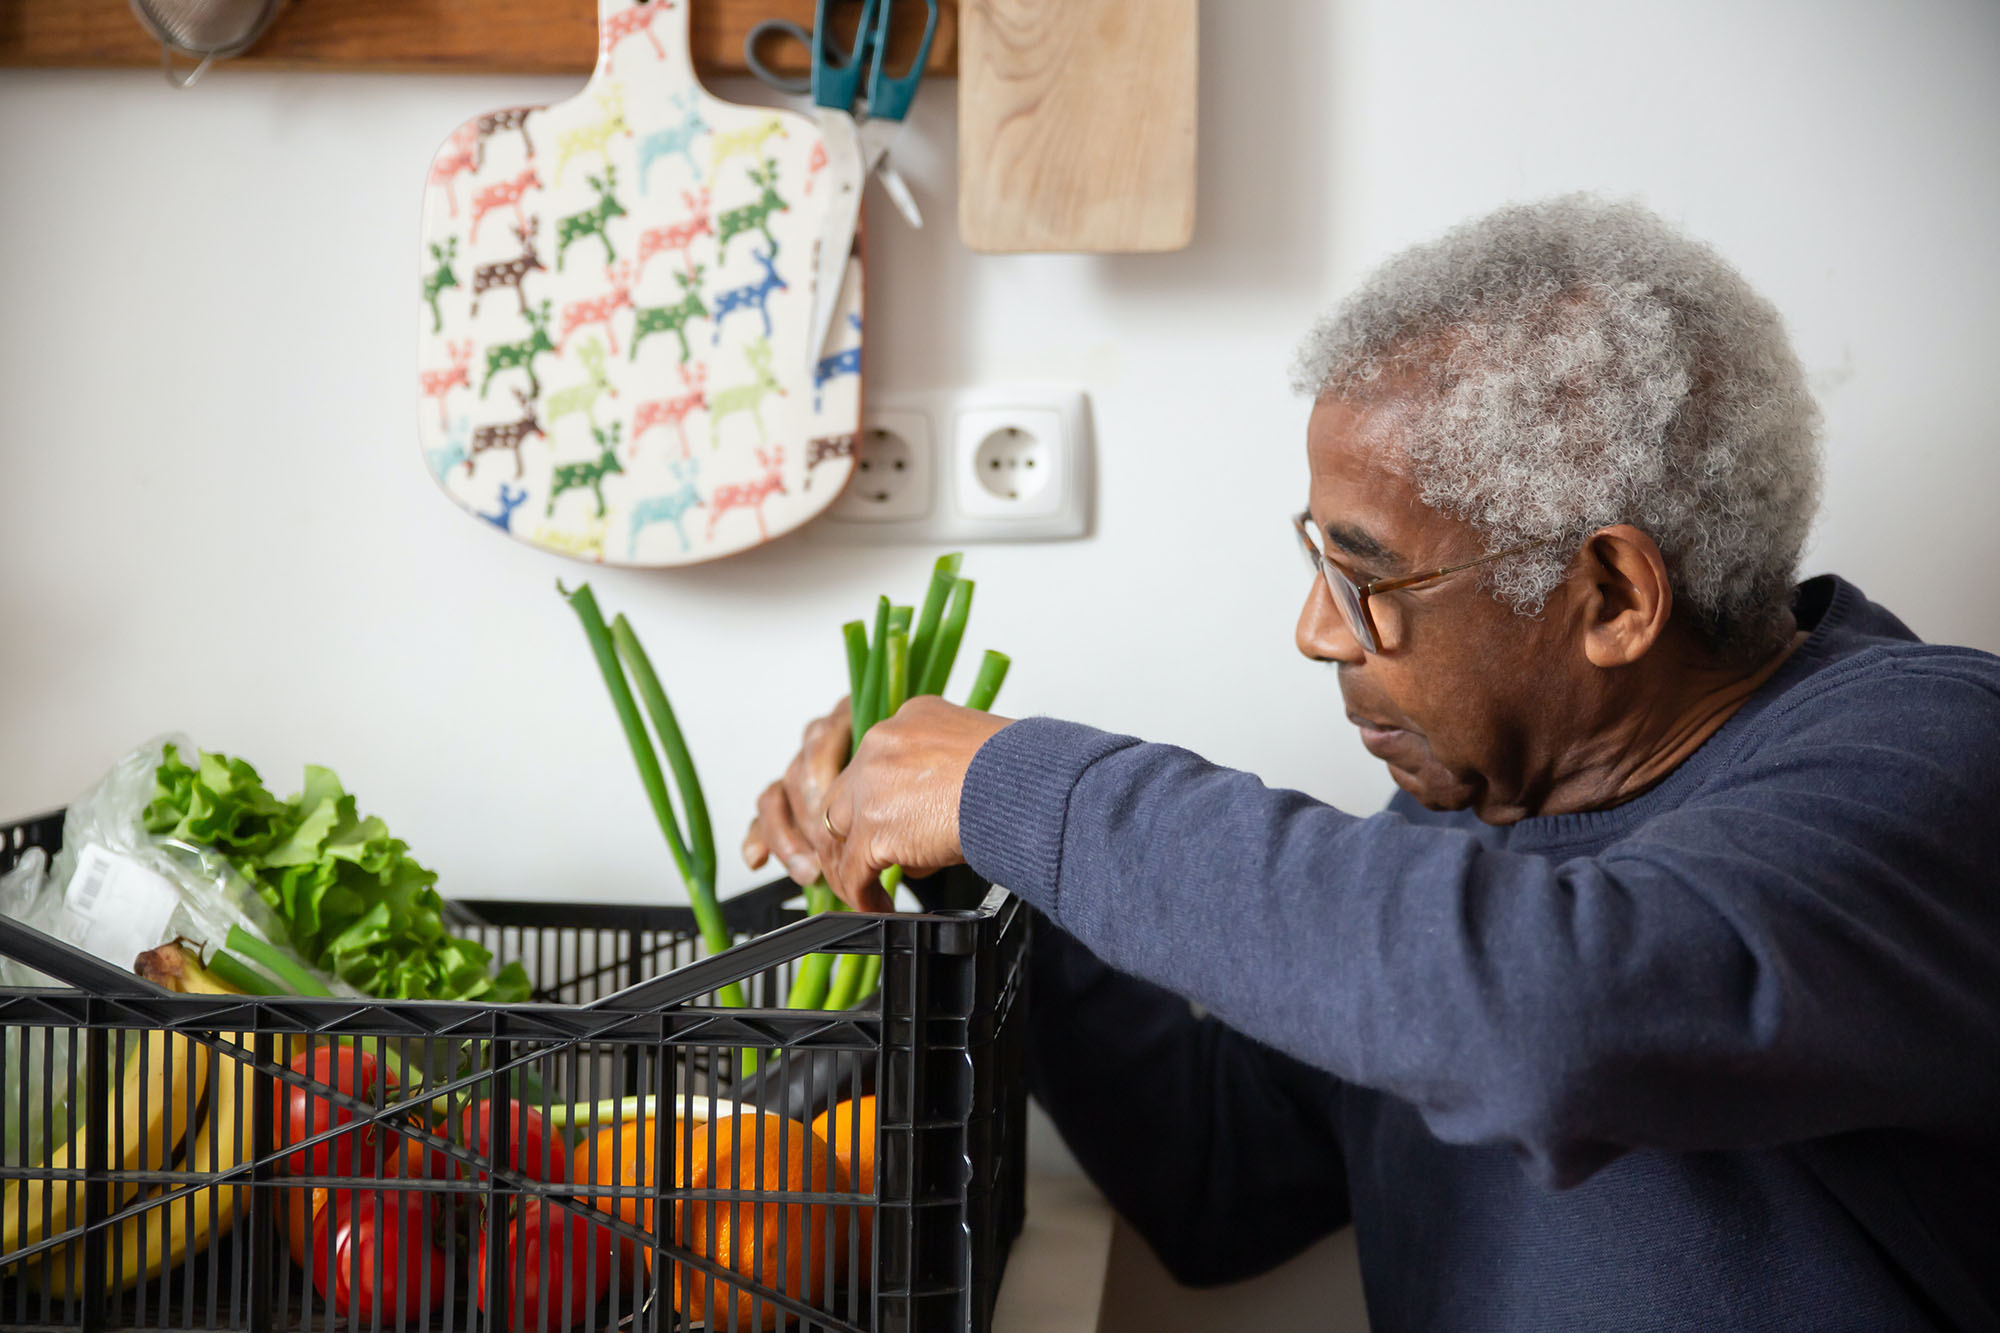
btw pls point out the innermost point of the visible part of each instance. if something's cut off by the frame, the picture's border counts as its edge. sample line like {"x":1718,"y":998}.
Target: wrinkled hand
{"x":896,"y":803}
{"x":794,"y":803}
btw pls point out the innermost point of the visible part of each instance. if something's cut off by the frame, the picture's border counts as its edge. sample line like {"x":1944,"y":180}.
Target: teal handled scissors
{"x":857,"y":146}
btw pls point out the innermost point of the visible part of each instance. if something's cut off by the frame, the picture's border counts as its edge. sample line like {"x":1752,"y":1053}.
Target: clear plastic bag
{"x":113,"y":890}
{"x":27,"y":896}
{"x":115,"y":878}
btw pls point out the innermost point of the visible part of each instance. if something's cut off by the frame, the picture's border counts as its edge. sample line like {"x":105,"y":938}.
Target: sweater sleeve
{"x":1219,"y":1151}
{"x":1804,"y":944}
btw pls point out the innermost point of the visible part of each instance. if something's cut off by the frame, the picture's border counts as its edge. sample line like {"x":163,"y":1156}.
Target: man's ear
{"x":1627,"y":599}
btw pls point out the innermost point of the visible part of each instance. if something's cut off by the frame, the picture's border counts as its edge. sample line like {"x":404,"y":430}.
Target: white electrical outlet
{"x":1006,"y":462}
{"x":894,"y":468}
{"x":990,"y":464}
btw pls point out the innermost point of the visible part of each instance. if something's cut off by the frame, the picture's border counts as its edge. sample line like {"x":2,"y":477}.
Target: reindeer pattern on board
{"x":556,"y":211}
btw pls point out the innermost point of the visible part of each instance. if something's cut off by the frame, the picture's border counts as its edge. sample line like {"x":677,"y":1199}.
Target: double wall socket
{"x":970,"y":465}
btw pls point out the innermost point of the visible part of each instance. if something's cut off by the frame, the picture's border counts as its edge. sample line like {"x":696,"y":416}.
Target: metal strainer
{"x":203,"y":30}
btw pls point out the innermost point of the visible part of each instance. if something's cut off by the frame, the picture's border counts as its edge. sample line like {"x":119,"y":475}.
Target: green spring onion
{"x":896,"y":688}
{"x":943,"y":575}
{"x":909,"y":653}
{"x":291,"y":974}
{"x":944,"y":649}
{"x":233,"y":971}
{"x":589,"y":1115}
{"x":866,"y":708}
{"x":855,"y":634}
{"x":986,"y":686}
{"x":701,"y":833}
{"x":871,"y":976}
{"x":643,"y":757}
{"x":696,"y":867}
{"x":814,"y":977}
{"x":813,"y":980}
{"x":985,"y":689}
{"x":848,"y":977}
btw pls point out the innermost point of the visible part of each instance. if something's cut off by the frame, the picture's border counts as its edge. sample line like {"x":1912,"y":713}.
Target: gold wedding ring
{"x":826,"y":818}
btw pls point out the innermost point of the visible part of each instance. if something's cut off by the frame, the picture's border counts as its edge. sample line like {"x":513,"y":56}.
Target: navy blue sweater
{"x":1724,"y":1056}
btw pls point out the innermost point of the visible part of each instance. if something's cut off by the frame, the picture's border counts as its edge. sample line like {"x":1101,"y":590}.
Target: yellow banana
{"x":148,"y":1243}
{"x":159,"y":1093}
{"x":180,"y":969}
{"x":163,"y":1236}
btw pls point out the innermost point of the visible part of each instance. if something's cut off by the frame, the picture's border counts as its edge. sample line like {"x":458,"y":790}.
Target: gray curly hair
{"x":1573,"y":363}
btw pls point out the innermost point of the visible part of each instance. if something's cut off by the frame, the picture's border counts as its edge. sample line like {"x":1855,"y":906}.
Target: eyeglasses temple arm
{"x":1391,"y":585}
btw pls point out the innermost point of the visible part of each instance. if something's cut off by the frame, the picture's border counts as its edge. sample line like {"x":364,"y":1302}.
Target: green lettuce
{"x":356,"y":903}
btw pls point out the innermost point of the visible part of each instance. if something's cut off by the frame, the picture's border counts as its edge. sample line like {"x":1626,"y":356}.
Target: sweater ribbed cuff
{"x":1015,"y":801}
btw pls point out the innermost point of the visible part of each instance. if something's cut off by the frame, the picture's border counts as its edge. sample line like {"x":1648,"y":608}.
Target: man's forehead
{"x":1366,"y":506}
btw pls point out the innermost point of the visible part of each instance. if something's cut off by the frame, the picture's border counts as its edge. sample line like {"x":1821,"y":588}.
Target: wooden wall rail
{"x":468,"y":36}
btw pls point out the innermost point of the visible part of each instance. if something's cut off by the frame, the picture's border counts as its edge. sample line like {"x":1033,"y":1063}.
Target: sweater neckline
{"x":1592,"y":826}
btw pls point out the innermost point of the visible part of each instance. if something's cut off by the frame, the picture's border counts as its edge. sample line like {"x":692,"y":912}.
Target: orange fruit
{"x":726,"y":1232}
{"x":302,"y":1207}
{"x":837,"y":1127}
{"x":621,"y":1154}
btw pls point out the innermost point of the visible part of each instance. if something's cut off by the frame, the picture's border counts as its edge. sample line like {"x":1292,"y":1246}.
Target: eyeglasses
{"x":1352,"y":598}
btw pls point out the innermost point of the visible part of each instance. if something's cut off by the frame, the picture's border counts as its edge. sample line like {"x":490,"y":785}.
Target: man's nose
{"x":1323,"y":635}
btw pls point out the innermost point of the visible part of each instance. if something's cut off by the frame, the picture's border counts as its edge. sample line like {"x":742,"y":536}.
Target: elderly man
{"x":1666,"y":993}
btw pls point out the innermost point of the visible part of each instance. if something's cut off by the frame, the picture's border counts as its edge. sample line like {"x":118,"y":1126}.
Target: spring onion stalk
{"x":910,"y":652}
{"x":871,"y":976}
{"x":848,"y":977}
{"x":587,"y":1114}
{"x":857,"y":641}
{"x":943,"y":575}
{"x":854,"y":635}
{"x":899,"y":692}
{"x":815,"y":975}
{"x":866,"y":708}
{"x":643,"y":757}
{"x":279,"y":963}
{"x":986,"y":686}
{"x":944,"y":648}
{"x":846,"y":987}
{"x":985,"y":689}
{"x":819,"y":898}
{"x":897,"y":688}
{"x":701,"y":888}
{"x":233,"y":971}
{"x":701,"y":833}
{"x":811,"y":982}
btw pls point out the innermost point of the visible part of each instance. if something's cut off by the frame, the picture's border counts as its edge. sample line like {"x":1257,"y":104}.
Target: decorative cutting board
{"x":617,"y":297}
{"x":1076,"y":124}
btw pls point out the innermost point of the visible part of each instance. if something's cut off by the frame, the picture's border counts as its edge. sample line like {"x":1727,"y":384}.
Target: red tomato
{"x":578,"y":1256}
{"x":539,"y":1152}
{"x":300,"y":1114}
{"x":384,"y":1267}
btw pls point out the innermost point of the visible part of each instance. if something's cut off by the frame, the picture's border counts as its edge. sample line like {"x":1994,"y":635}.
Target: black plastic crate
{"x":624,"y":1007}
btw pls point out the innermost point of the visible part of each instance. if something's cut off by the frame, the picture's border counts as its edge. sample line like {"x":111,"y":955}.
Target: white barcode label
{"x":115,"y":907}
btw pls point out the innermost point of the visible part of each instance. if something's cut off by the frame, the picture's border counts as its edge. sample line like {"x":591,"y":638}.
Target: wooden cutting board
{"x":617,"y":298}
{"x":1076,"y":124}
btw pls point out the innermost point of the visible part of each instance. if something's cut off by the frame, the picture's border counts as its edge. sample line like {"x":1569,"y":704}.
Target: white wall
{"x":213,"y":516}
